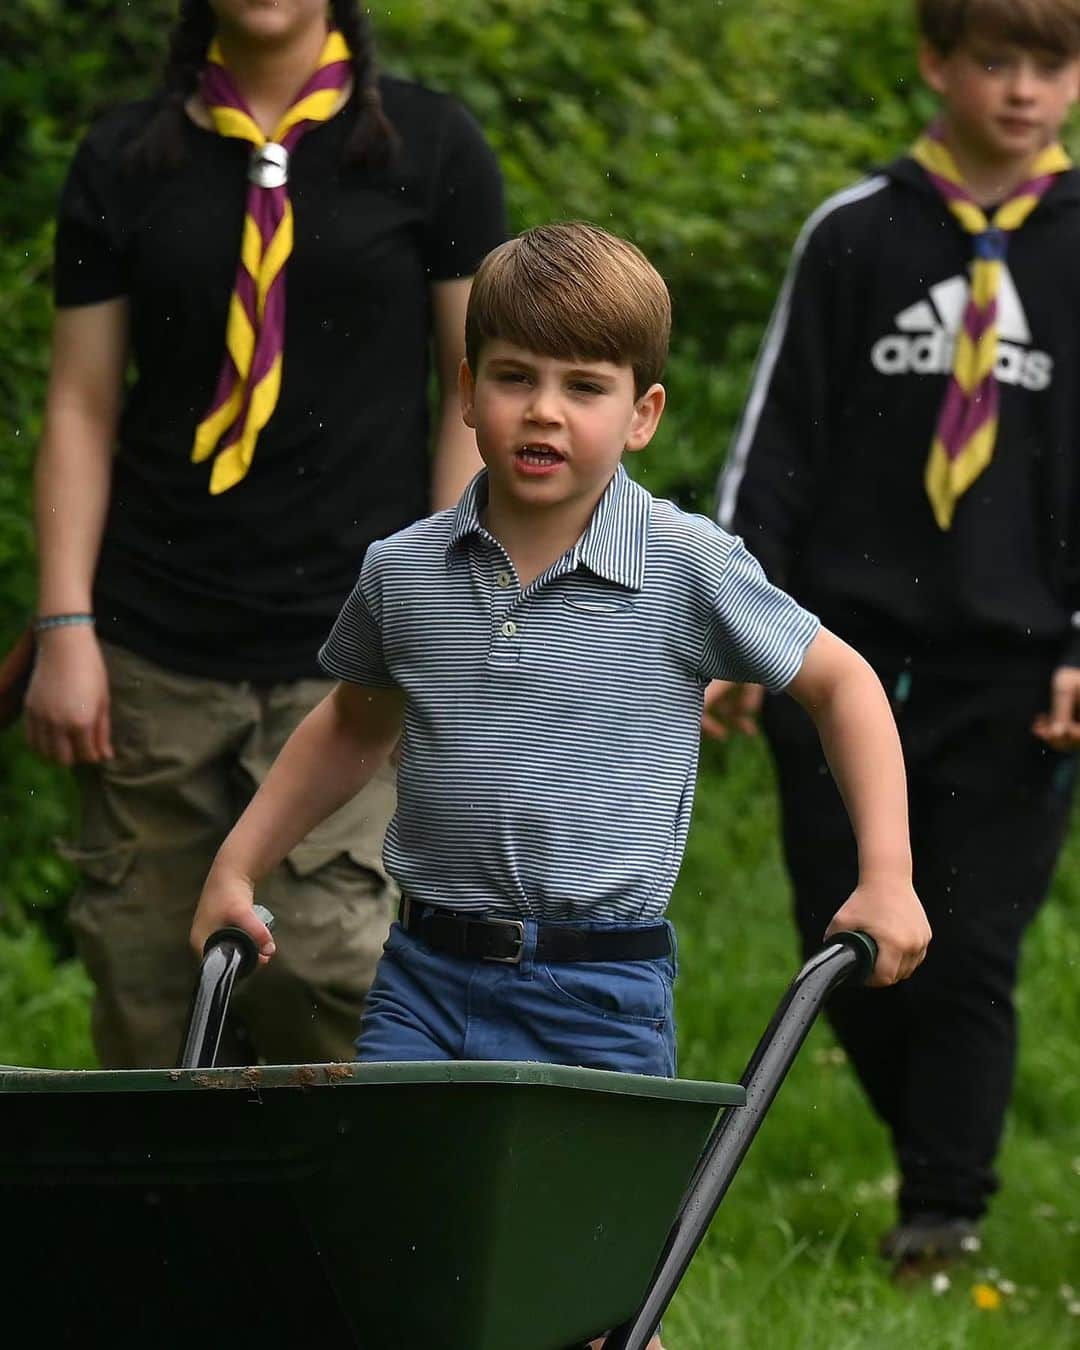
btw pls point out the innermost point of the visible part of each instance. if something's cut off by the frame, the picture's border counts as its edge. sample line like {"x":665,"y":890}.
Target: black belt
{"x":448,"y":930}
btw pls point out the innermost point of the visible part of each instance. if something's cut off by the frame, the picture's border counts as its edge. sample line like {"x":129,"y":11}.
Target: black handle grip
{"x":247,"y":951}
{"x":865,"y":949}
{"x":845,"y":956}
{"x":228,"y":955}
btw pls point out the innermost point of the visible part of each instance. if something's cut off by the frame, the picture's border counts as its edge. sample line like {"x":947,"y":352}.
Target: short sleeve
{"x":467,"y":216}
{"x":88,"y":258}
{"x":755,"y":632}
{"x":354,"y":650}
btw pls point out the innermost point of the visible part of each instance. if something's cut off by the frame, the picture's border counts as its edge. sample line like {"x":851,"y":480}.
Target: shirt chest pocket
{"x":589,"y":652}
{"x":591,"y":627}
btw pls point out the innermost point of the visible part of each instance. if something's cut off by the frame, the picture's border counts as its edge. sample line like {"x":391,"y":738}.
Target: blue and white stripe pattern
{"x":551,"y":734}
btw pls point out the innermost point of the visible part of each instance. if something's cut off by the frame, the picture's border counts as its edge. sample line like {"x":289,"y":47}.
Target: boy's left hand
{"x":1060,"y":727}
{"x":892,"y":914}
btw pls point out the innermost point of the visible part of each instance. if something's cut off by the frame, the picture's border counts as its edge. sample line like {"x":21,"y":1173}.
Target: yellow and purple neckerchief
{"x":250,"y":380}
{"x":963,"y":443}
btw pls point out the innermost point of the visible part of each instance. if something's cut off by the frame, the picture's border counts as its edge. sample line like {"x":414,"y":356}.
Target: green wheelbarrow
{"x":449,"y":1206}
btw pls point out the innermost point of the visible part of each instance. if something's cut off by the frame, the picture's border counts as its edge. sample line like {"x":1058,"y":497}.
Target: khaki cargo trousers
{"x":190,"y":753}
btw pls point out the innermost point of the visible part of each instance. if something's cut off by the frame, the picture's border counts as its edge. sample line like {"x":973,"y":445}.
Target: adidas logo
{"x":927,"y":337}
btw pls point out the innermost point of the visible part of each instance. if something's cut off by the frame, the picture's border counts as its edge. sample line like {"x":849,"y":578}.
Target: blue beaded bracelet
{"x":47,"y":621}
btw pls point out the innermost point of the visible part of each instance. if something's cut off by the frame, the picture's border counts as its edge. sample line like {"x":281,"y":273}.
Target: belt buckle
{"x":514,"y":960}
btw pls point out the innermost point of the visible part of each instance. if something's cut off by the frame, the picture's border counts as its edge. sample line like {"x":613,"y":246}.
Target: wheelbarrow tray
{"x":461,"y":1206}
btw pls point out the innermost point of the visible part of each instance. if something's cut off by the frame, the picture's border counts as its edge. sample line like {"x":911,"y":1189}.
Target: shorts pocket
{"x":106,"y":864}
{"x":412,"y":952}
{"x":330,"y":887}
{"x":637,"y":992}
{"x":307,"y":859}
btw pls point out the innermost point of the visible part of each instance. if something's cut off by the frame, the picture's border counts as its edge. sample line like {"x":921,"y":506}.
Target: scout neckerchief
{"x":967,"y":426}
{"x":250,"y":380}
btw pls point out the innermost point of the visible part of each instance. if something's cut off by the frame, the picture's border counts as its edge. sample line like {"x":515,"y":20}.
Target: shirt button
{"x":502,"y":579}
{"x":509,"y":628}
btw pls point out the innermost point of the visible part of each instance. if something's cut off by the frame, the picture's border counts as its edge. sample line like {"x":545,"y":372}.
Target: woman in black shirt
{"x":180,"y":609}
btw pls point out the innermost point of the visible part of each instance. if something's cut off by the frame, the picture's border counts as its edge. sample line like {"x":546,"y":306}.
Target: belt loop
{"x":674,"y":937}
{"x":527,"y":964}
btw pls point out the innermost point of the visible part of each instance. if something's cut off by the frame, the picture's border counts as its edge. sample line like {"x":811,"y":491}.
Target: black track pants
{"x":989,"y":810}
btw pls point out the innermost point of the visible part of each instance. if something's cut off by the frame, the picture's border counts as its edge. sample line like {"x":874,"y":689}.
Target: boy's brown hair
{"x":572,"y":291}
{"x":1040,"y":25}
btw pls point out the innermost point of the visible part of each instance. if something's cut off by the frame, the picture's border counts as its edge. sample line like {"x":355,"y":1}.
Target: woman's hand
{"x":67,"y":701}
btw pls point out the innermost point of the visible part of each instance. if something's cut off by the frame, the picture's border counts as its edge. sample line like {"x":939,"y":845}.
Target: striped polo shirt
{"x":551,"y":732}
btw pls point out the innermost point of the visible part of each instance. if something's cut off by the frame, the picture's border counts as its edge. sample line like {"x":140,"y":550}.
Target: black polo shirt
{"x":246,"y":585}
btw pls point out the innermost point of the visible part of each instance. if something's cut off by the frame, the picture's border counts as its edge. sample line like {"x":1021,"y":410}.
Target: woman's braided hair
{"x":161,"y":143}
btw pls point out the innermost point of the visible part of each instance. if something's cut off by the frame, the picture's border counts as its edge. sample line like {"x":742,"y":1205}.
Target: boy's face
{"x":553,"y":431}
{"x":1003,"y":102}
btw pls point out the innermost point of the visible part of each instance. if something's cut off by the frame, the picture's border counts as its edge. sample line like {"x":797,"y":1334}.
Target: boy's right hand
{"x":731,"y":707}
{"x":227,"y":901}
{"x":889,"y":910}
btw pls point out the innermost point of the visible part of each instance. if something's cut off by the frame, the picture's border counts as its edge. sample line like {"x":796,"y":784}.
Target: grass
{"x":790,"y":1263}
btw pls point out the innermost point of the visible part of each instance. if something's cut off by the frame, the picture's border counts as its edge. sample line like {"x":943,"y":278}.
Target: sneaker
{"x":927,"y":1243}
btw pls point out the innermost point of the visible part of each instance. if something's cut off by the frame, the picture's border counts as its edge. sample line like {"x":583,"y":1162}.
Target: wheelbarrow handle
{"x":846,"y":956}
{"x":229,"y":954}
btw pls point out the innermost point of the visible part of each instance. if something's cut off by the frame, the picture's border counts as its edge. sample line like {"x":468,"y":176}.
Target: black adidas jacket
{"x":825,"y":476}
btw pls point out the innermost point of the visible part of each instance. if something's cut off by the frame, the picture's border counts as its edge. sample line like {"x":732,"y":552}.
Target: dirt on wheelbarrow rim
{"x":307,"y":1076}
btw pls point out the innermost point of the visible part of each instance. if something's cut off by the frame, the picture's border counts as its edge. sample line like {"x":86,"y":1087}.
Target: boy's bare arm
{"x":329,"y":757}
{"x":845,"y":698}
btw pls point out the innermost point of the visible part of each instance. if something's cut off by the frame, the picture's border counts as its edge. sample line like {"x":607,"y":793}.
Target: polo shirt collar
{"x":467,"y":512}
{"x":613,"y":545}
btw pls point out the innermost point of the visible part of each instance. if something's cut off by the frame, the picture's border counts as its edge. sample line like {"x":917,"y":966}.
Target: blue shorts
{"x":426,"y":1005}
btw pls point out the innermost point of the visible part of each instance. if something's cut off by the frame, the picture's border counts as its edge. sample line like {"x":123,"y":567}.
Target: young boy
{"x":907,"y":467}
{"x":542,"y":650}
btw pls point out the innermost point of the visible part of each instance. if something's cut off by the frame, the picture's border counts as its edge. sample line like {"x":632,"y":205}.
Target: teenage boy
{"x":542,"y":650}
{"x":907,"y":466}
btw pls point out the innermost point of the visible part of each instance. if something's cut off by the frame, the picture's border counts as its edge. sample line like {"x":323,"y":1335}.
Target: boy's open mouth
{"x":539,"y":456}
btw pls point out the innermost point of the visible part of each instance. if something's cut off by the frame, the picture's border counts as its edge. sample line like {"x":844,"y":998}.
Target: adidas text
{"x":932,"y":354}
